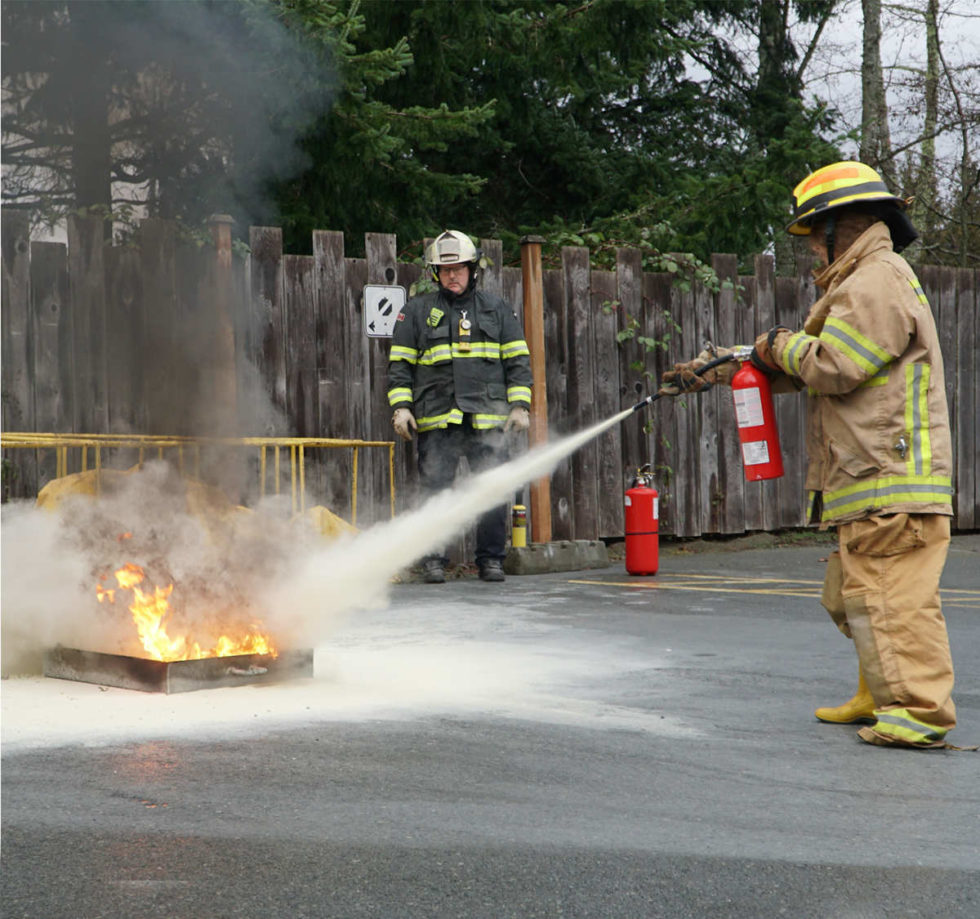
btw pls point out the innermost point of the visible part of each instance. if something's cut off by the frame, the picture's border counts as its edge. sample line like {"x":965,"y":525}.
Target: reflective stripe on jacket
{"x":878,"y":437}
{"x":442,"y":375}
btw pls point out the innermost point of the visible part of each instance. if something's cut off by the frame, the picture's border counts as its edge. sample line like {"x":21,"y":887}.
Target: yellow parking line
{"x":718,"y":583}
{"x":741,"y":579}
{"x":713,"y":587}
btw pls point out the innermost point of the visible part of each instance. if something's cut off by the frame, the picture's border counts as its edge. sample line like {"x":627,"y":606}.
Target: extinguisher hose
{"x":735,"y":355}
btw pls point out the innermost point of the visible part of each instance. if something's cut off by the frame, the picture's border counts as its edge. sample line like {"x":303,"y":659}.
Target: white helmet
{"x":453,"y":248}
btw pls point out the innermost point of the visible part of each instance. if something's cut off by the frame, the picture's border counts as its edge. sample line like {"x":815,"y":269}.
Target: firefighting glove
{"x":403,"y":422}
{"x":684,"y":378}
{"x":519,"y":419}
{"x":761,"y":357}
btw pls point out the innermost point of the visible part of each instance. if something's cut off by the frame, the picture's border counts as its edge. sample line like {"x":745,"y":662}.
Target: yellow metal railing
{"x":158,"y":444}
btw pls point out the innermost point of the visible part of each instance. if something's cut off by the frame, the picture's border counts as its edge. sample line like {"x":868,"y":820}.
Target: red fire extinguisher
{"x":641,"y":510}
{"x":756,"y":419}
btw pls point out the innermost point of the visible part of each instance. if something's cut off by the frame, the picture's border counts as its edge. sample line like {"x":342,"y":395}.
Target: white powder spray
{"x":355,"y":574}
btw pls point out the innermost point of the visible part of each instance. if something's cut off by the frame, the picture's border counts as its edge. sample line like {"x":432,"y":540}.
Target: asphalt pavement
{"x":585,"y":744}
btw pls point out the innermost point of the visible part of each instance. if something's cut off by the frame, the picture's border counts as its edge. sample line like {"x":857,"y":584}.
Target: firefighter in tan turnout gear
{"x":879,"y":450}
{"x":459,"y":373}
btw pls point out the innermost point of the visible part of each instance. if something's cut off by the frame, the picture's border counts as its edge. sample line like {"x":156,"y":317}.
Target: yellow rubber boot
{"x":860,"y":709}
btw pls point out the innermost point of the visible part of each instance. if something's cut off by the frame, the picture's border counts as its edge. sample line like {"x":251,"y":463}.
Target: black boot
{"x":491,"y":569}
{"x":432,"y":572}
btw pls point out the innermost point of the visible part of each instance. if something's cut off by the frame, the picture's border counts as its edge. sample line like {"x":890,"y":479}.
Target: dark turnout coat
{"x":466,"y":357}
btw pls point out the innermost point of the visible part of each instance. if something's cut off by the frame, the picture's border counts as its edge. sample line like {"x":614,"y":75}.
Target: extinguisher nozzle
{"x":649,"y":400}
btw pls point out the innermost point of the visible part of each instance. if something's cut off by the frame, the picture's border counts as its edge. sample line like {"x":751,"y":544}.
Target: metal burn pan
{"x":148,"y":675}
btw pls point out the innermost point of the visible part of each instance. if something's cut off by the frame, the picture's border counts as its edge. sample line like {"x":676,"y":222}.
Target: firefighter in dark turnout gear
{"x":459,"y":373}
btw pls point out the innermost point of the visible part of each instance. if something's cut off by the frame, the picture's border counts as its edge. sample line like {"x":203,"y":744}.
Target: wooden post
{"x":225,"y":383}
{"x":534,"y":333}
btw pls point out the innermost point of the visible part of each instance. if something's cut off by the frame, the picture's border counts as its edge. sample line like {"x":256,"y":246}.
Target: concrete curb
{"x":566,"y":555}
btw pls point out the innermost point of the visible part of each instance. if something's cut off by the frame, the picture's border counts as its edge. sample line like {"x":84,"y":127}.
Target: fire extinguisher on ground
{"x":641,"y":513}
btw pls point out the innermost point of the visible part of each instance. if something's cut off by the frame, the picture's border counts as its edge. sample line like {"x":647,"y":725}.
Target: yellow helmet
{"x":450,"y":248}
{"x":837,"y":185}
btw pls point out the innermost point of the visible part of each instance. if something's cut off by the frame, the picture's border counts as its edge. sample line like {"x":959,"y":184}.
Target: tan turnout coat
{"x":878,"y":436}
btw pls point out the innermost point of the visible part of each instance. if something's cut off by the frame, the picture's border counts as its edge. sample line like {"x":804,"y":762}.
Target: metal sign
{"x":381,"y":308}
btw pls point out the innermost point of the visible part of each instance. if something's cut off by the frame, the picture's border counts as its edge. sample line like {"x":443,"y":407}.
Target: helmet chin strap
{"x":829,"y":232}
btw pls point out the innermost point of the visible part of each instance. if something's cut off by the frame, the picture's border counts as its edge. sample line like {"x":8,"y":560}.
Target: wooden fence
{"x":107,"y":339}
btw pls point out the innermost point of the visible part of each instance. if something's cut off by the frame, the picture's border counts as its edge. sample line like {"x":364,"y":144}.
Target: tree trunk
{"x":875,"y":142}
{"x":924,"y":209}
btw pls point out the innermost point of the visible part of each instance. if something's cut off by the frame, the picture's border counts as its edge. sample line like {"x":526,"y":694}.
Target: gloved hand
{"x":761,"y":357}
{"x":684,"y":379}
{"x":519,"y":419}
{"x":403,"y":421}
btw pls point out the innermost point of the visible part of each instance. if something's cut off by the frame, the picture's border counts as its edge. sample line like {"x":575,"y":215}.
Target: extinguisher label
{"x":656,"y":508}
{"x":755,"y":453}
{"x":748,"y":407}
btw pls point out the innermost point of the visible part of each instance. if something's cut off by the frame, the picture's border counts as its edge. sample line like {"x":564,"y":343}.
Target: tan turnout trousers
{"x":882,"y":590}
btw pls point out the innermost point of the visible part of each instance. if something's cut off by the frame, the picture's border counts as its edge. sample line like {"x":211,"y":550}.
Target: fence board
{"x":660,"y":420}
{"x":52,"y":347}
{"x":124,"y":340}
{"x":556,"y":386}
{"x":941,"y":294}
{"x":157,"y":264}
{"x":975,"y":310}
{"x":687,"y":445}
{"x":581,"y":381}
{"x":609,"y":445}
{"x":710,"y":409}
{"x":491,"y":275}
{"x":86,"y":279}
{"x":299,"y":307}
{"x":512,"y":290}
{"x":269,"y":343}
{"x":20,"y":466}
{"x":332,"y":369}
{"x":965,"y":406}
{"x":195,"y":362}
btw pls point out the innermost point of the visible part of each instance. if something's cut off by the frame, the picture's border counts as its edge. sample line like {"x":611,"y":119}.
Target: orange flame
{"x":150,"y":611}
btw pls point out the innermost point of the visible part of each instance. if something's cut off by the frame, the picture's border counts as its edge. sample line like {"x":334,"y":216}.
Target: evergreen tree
{"x":613,"y":121}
